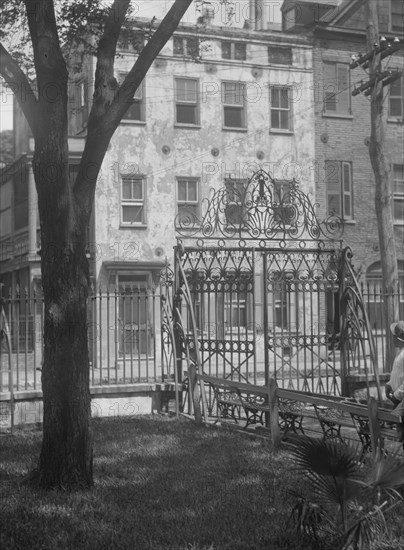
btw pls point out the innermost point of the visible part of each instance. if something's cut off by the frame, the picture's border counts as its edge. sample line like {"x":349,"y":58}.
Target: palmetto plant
{"x":345,"y":498}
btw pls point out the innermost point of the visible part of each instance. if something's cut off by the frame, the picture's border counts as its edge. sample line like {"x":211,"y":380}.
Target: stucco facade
{"x":163,"y":150}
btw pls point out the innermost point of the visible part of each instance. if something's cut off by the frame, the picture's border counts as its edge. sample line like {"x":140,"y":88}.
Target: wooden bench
{"x":285,"y":410}
{"x":231,"y":395}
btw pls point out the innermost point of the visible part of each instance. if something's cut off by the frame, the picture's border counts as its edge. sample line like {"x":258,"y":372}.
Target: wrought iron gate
{"x":258,"y":289}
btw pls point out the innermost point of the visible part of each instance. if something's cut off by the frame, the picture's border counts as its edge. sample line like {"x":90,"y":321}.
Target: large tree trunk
{"x":66,"y":455}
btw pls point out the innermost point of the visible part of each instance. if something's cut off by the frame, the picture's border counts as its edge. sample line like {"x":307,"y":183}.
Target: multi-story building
{"x":345,"y":180}
{"x":216,"y":105}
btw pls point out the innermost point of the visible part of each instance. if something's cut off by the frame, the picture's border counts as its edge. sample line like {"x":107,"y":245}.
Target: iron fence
{"x":127,"y":344}
{"x":124,"y":338}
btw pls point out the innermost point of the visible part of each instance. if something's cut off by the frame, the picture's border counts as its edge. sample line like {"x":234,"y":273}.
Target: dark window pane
{"x":178,"y":45}
{"x":234,"y":213}
{"x":182,"y":190}
{"x":226,"y":50}
{"x":233,"y":117}
{"x":186,"y":114}
{"x":134,"y":112}
{"x":192,"y":195}
{"x":347,"y":206}
{"x":395,"y":107}
{"x":284,"y":120}
{"x":240,"y":51}
{"x":192,"y":47}
{"x":398,"y":209}
{"x":132,"y":214}
{"x":275,"y":123}
{"x":126,"y":188}
{"x":275,"y":97}
{"x":137,"y":189}
{"x":280,"y":55}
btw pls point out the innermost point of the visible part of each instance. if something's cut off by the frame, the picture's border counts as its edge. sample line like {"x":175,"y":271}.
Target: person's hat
{"x":397,"y":330}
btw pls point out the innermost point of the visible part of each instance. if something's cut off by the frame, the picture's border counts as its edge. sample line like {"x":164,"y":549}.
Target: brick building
{"x":344,"y":180}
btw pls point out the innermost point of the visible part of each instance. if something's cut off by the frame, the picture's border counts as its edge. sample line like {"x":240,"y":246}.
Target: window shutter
{"x":343,"y":91}
{"x":330,"y":87}
{"x":333,"y":182}
{"x":347,"y":187}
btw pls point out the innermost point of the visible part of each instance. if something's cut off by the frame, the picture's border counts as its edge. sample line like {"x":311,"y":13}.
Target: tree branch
{"x":104,"y":126}
{"x":50,"y":66}
{"x":20,"y":86}
{"x":104,"y":82}
{"x":146,"y":57}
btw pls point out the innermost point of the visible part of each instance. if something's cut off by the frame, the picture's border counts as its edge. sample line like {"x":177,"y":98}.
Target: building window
{"x":396,"y":98}
{"x":281,"y":205}
{"x":281,"y":117}
{"x":186,"y":46}
{"x":131,"y":41}
{"x":235,"y":210}
{"x":398,"y":193}
{"x":136,"y":105}
{"x":233,"y":104}
{"x":235,"y":311}
{"x":336,"y":88}
{"x":397,"y":16}
{"x":279,"y":55}
{"x":234,"y":50}
{"x":186,"y":101}
{"x":374,"y":293}
{"x":338,"y":177}
{"x":133,"y":200}
{"x":187,"y":201}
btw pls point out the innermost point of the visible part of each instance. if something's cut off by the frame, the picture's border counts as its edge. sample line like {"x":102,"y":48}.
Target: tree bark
{"x":66,"y":459}
{"x":383,"y":193}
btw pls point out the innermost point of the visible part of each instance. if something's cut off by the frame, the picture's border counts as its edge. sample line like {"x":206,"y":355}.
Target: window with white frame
{"x":234,"y":50}
{"x":338,"y":177}
{"x":397,"y":16}
{"x":281,"y":114}
{"x":398,"y":193}
{"x":135,"y":110}
{"x":234,"y":111}
{"x":187,"y":200}
{"x":396,"y":98}
{"x":337,"y":95}
{"x":187,"y":46}
{"x":186,"y":101}
{"x":133,"y":200}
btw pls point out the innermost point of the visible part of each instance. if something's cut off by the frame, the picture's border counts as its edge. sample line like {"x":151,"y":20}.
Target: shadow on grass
{"x":159,"y":484}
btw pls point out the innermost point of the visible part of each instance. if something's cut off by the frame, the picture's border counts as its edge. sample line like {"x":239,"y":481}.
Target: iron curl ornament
{"x":265,"y":209}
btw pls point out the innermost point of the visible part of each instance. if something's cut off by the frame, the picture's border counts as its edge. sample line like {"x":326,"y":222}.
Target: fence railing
{"x":125,"y":336}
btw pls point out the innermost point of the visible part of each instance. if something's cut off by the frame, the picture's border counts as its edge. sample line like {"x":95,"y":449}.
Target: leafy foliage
{"x":348,"y":498}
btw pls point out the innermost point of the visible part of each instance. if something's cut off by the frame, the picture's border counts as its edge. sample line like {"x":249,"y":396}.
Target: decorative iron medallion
{"x":263,"y":210}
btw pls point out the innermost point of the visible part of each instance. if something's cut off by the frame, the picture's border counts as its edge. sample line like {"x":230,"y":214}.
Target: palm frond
{"x":326,"y":457}
{"x":386,"y":473}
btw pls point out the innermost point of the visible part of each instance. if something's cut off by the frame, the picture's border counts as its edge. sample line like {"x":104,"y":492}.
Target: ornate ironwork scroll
{"x":265,"y":209}
{"x":357,"y":340}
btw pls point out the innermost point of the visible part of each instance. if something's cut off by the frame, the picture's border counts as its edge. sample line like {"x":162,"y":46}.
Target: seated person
{"x":395,"y":386}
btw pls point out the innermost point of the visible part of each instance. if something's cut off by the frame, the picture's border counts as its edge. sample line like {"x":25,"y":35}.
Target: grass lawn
{"x":160,"y":483}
